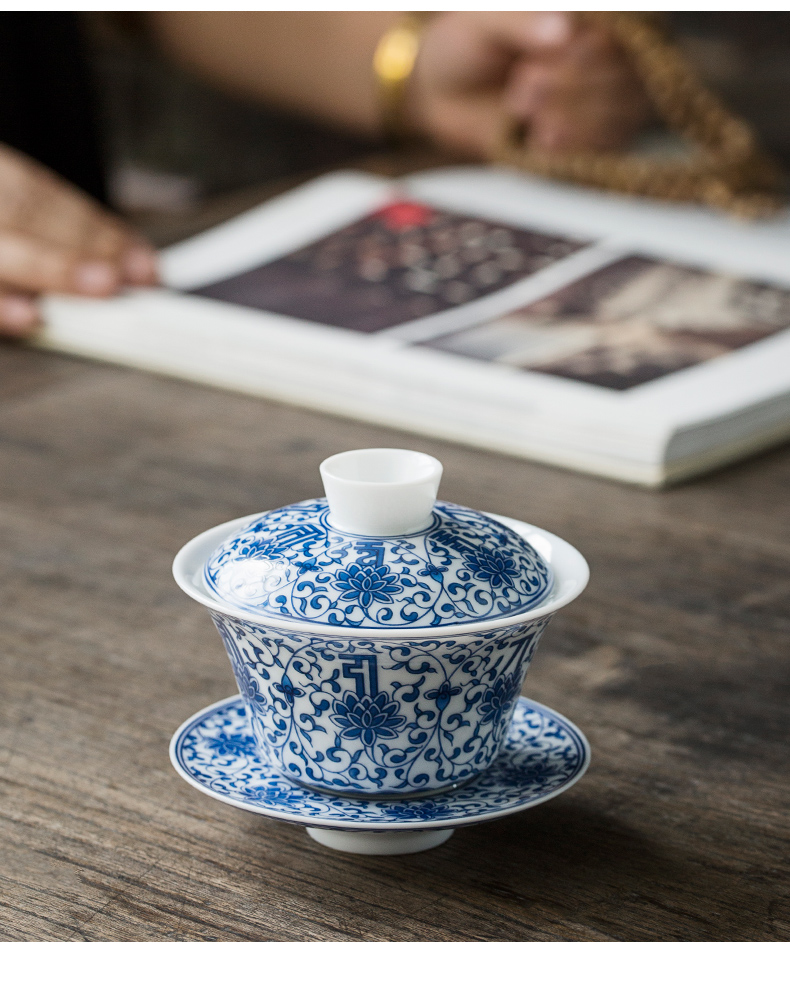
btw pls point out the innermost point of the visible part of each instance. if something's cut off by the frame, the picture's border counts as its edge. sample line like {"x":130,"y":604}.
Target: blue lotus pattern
{"x":377,"y":716}
{"x":499,"y":698}
{"x":290,"y":563}
{"x":542,"y":756}
{"x":366,"y":584}
{"x":367,"y":718}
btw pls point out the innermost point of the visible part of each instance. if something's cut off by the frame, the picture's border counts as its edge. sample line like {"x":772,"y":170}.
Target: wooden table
{"x":674,"y":662}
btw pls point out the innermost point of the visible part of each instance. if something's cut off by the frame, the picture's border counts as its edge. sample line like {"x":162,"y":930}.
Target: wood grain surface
{"x":674,"y":662}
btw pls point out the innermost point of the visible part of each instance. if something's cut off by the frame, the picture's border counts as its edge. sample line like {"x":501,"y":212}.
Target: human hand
{"x":55,"y":238}
{"x":569,"y":82}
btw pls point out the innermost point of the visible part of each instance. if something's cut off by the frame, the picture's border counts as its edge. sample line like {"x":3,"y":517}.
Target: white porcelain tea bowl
{"x":380,"y":640}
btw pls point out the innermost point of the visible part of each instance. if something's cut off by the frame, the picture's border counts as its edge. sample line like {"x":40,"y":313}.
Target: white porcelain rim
{"x":572,"y":571}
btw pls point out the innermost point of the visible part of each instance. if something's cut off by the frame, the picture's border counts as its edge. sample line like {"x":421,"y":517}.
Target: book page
{"x":585,"y":321}
{"x":573,"y":326}
{"x":628,"y":323}
{"x":401,"y":263}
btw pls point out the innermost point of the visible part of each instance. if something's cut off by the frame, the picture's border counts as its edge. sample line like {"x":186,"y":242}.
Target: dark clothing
{"x":47,"y":103}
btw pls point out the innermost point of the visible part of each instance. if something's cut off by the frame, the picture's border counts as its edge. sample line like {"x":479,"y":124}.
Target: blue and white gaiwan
{"x":379,"y":638}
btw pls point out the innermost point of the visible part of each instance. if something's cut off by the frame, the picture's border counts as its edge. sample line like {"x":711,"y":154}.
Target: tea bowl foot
{"x":380,"y":844}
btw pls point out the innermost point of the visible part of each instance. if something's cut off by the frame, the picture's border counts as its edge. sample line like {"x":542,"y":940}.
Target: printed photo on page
{"x":403,"y":262}
{"x":629,"y":323}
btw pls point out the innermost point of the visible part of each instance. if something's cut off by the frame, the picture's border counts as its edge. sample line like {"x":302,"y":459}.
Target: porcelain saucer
{"x":544,"y":755}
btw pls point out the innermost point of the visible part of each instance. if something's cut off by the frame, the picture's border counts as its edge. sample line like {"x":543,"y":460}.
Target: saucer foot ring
{"x":380,"y":844}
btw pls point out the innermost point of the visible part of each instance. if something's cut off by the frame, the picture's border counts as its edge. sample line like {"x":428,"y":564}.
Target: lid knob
{"x":381,"y":491}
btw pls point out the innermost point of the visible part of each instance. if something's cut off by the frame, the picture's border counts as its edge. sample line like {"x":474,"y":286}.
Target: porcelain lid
{"x":378,"y":552}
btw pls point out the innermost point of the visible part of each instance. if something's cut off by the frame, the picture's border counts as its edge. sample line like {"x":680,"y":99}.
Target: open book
{"x":638,"y":340}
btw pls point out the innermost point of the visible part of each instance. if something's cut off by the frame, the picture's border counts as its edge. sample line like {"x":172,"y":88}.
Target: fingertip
{"x":550,"y":28}
{"x":19,"y":316}
{"x":140,"y":266}
{"x":529,"y":89}
{"x":96,"y":278}
{"x":552,"y":136}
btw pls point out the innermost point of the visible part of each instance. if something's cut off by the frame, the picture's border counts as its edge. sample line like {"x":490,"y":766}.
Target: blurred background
{"x":173,"y":142}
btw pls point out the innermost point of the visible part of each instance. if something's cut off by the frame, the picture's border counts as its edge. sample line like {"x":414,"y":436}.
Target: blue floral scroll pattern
{"x":290,"y":563}
{"x":376,"y":716}
{"x":543,"y":755}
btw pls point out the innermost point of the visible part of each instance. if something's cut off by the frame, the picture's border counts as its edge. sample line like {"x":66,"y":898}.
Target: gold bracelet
{"x":393,"y":64}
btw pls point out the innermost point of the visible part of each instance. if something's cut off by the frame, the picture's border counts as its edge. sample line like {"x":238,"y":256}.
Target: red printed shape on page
{"x":402,"y":215}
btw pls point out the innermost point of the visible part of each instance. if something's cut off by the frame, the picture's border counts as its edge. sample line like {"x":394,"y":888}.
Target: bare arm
{"x":569,"y":82}
{"x":317,"y":63}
